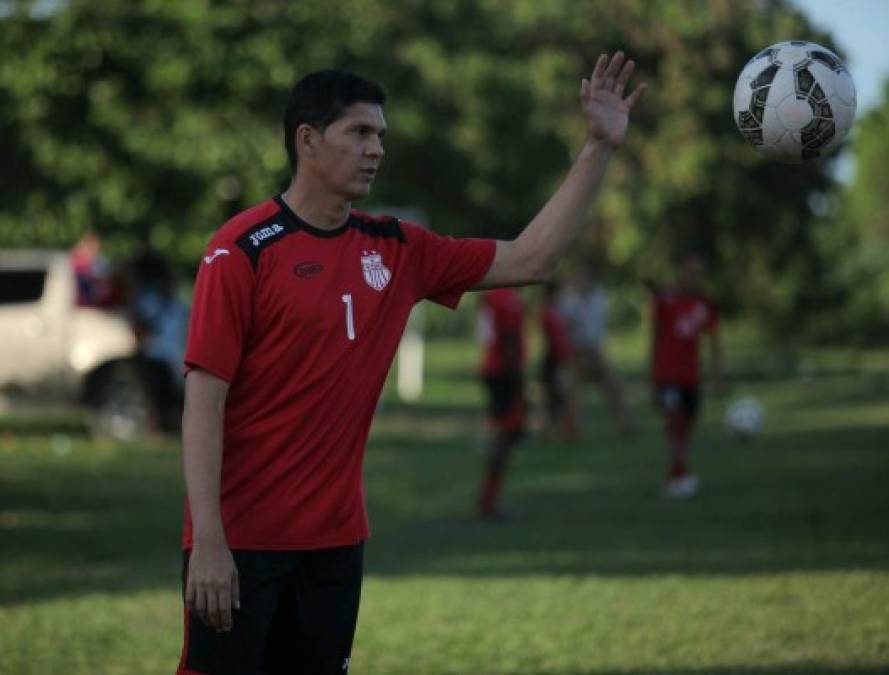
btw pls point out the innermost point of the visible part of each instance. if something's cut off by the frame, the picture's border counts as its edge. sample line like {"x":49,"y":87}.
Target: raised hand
{"x":602,"y":99}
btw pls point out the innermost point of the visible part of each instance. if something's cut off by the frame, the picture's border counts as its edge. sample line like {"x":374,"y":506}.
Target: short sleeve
{"x":221,"y":312}
{"x":449,"y":267}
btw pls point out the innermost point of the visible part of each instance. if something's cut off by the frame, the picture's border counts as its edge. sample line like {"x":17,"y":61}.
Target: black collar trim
{"x":298,"y":223}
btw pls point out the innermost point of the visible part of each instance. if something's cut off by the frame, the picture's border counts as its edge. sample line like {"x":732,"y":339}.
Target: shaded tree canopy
{"x":854,"y":236}
{"x":153,"y":121}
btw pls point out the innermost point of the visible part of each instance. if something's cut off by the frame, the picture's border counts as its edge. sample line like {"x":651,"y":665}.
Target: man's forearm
{"x":548,"y":235}
{"x":202,"y":425}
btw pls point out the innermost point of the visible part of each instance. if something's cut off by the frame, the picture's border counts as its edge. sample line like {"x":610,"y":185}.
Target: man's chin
{"x":359,"y":192}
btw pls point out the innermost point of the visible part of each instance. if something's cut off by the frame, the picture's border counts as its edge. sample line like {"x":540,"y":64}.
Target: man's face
{"x":692,"y":271}
{"x":350,"y":151}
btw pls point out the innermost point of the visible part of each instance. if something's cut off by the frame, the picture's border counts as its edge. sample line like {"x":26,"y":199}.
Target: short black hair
{"x":321,"y":98}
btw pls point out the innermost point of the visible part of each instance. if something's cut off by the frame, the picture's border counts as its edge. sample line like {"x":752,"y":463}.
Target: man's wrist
{"x":210,"y":538}
{"x":597,"y":150}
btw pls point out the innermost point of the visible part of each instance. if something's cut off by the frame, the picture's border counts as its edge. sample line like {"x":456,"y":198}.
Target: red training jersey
{"x":303,"y":323}
{"x":501,"y":330}
{"x":680,"y":318}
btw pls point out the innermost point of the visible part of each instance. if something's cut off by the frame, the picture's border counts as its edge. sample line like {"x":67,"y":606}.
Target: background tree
{"x":153,"y":121}
{"x":854,"y":235}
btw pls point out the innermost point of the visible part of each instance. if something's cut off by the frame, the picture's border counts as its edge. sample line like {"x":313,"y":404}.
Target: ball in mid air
{"x":744,"y":417}
{"x":794,"y":102}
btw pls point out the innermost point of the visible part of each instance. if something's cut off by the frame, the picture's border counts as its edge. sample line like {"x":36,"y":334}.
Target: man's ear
{"x":306,"y":141}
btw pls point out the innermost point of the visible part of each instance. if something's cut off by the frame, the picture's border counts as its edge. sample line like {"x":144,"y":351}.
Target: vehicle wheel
{"x":121,"y":406}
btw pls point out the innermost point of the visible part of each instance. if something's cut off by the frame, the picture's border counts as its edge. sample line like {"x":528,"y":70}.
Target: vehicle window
{"x":18,"y":286}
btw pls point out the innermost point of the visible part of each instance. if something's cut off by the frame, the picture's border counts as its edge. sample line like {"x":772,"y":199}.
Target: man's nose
{"x":375,"y":148}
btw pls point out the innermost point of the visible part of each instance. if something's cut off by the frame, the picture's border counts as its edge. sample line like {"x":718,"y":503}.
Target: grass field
{"x":780,"y":565}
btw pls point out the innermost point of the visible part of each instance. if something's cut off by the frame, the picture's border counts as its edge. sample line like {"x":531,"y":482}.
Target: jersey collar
{"x":298,"y":223}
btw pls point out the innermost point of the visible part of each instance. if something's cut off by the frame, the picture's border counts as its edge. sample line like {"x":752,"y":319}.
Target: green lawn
{"x":781,"y":565}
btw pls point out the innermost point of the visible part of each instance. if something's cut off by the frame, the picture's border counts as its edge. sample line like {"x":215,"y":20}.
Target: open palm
{"x":606,"y":110}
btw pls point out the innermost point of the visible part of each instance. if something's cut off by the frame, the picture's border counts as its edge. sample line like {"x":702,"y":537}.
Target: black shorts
{"x":506,"y":402}
{"x":298,"y":615}
{"x":674,"y":398}
{"x":554,"y":381}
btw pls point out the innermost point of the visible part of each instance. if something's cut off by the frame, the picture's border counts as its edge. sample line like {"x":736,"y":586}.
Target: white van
{"x":53,"y":351}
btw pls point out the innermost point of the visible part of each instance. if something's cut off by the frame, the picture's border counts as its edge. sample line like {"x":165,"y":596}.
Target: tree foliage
{"x":155,"y":120}
{"x":855,"y":237}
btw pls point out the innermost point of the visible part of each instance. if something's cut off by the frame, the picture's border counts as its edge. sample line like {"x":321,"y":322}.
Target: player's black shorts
{"x":552,"y":377}
{"x":673,"y":398}
{"x":298,"y":615}
{"x":506,"y":402}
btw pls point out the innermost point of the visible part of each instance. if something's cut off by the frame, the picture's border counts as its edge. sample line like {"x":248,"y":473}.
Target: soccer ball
{"x":794,"y":101}
{"x":744,"y":418}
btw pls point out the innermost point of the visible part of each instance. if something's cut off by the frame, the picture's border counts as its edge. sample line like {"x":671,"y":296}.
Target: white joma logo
{"x":265,"y":233}
{"x":218,"y":252}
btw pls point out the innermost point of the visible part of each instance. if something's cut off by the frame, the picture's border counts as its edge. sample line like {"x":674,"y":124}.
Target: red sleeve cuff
{"x":215,"y":371}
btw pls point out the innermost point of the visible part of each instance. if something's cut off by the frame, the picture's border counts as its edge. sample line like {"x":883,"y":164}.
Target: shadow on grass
{"x":804,"y":501}
{"x":73,"y":528}
{"x":811,"y":502}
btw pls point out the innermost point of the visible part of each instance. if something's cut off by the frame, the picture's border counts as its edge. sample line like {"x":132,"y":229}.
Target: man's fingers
{"x":624,"y":76}
{"x":225,"y":608}
{"x":599,"y":69}
{"x":213,"y":617}
{"x":213,"y":604}
{"x":607,"y":71}
{"x":199,"y":604}
{"x":236,"y":591}
{"x":614,"y":67}
{"x":635,"y":95}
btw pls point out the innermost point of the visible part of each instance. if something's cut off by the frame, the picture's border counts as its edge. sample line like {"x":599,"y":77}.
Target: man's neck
{"x":324,"y":211}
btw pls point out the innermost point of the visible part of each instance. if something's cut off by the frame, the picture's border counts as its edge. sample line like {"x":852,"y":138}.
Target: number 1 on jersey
{"x":350,"y":317}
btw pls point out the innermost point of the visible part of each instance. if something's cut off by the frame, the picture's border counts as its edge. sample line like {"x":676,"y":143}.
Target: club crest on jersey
{"x":376,"y":274}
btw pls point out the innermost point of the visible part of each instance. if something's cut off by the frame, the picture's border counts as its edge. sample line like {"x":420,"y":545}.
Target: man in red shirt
{"x":502,"y":333}
{"x":299,"y":305}
{"x":681,"y":316}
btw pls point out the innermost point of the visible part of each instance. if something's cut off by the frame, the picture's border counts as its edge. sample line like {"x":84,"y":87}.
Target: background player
{"x":298,"y":309}
{"x":681,"y":316}
{"x":557,"y":369}
{"x":584,"y":304}
{"x":502,"y":334}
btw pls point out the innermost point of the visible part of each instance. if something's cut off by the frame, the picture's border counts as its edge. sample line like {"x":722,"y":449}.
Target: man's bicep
{"x":203,"y":388}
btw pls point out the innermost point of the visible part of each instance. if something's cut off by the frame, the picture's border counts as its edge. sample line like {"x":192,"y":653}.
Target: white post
{"x":409,"y":362}
{"x":410,"y":358}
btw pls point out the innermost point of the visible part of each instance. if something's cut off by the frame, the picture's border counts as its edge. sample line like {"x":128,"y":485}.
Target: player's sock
{"x":490,"y":493}
{"x":678,"y":431}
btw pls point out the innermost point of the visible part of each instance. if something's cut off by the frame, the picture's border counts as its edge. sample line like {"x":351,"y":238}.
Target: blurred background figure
{"x":502,"y":335}
{"x":584,"y":304}
{"x":681,"y":316}
{"x":556,"y":371}
{"x":160,"y":320}
{"x":98,"y":284}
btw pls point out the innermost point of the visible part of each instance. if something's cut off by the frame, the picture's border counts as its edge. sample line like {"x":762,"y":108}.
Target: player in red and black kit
{"x":299,"y":305}
{"x":502,"y":333}
{"x":682,"y":315}
{"x":556,"y":370}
